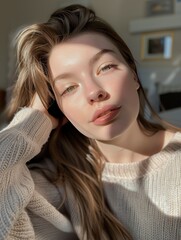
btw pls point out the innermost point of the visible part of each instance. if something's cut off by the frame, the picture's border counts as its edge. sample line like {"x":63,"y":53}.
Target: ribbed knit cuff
{"x":32,"y":123}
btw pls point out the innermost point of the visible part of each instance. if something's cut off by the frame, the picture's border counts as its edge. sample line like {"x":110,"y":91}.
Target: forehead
{"x":84,"y":42}
{"x":91,"y":38}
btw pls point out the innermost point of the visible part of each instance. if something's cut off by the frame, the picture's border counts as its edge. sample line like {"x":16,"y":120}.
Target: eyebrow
{"x":94,"y":59}
{"x":98,"y":55}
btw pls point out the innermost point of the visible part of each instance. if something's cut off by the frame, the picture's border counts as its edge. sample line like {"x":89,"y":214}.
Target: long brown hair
{"x":77,"y":159}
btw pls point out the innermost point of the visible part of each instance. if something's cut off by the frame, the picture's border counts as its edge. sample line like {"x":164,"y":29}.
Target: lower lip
{"x":107,"y":118}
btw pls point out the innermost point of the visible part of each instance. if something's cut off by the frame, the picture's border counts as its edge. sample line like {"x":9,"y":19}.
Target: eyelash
{"x":68,"y":90}
{"x":107,"y":68}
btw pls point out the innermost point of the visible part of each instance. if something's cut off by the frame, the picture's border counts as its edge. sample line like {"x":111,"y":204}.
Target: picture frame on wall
{"x":159,"y":7}
{"x":157,"y":45}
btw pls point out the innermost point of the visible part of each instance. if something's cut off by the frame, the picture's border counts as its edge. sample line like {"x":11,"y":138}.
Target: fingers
{"x":37,"y":104}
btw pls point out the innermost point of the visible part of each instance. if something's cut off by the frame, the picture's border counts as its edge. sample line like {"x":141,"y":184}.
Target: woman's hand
{"x":36,"y":103}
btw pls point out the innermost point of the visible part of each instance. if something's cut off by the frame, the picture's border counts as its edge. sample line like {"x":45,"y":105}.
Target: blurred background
{"x":151,"y":29}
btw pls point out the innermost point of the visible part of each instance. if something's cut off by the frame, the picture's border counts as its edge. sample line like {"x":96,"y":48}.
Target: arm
{"x":20,"y":141}
{"x":23,"y":138}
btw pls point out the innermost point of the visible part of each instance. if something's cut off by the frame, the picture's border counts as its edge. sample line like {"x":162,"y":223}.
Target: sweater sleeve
{"x":20,"y":141}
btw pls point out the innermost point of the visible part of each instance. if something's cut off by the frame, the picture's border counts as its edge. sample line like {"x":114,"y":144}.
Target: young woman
{"x":94,"y":167}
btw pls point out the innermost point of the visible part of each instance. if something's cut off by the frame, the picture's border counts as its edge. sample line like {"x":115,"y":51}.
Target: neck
{"x":132,"y":146}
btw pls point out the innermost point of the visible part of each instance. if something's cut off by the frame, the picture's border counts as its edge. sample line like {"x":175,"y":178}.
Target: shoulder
{"x":171,"y":138}
{"x":175,"y":138}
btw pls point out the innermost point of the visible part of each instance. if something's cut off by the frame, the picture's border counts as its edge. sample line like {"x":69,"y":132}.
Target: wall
{"x":118,"y":13}
{"x":166,"y":74}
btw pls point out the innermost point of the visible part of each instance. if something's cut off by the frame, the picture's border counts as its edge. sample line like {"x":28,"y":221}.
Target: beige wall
{"x":119,"y":13}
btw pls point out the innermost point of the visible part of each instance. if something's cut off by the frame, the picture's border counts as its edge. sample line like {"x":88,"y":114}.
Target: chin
{"x":112,"y":134}
{"x":106,"y":133}
{"x":106,"y":137}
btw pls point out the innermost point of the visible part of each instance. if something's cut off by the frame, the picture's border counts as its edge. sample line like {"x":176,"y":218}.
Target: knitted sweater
{"x":145,"y":196}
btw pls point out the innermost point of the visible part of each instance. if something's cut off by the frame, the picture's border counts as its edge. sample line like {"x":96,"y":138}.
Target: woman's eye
{"x":69,"y":90}
{"x":107,"y":68}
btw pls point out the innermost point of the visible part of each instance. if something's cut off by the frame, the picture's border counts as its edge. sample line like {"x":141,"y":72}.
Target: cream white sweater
{"x":145,"y":196}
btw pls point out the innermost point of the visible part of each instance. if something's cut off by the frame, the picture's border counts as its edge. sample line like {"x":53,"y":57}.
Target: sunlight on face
{"x":94,"y":86}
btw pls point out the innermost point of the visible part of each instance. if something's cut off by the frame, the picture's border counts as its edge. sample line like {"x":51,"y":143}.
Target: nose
{"x":97,"y":95}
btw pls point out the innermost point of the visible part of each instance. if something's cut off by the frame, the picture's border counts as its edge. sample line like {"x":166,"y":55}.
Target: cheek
{"x":73,"y":117}
{"x":132,"y":99}
{"x":73,"y":112}
{"x":77,"y":119}
{"x":124,"y":87}
{"x":127,"y":90}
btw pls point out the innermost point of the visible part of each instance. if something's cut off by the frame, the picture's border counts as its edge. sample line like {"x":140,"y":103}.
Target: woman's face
{"x":94,"y":87}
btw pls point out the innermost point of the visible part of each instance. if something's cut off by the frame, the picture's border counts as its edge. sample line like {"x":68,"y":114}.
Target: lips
{"x":105,"y":115}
